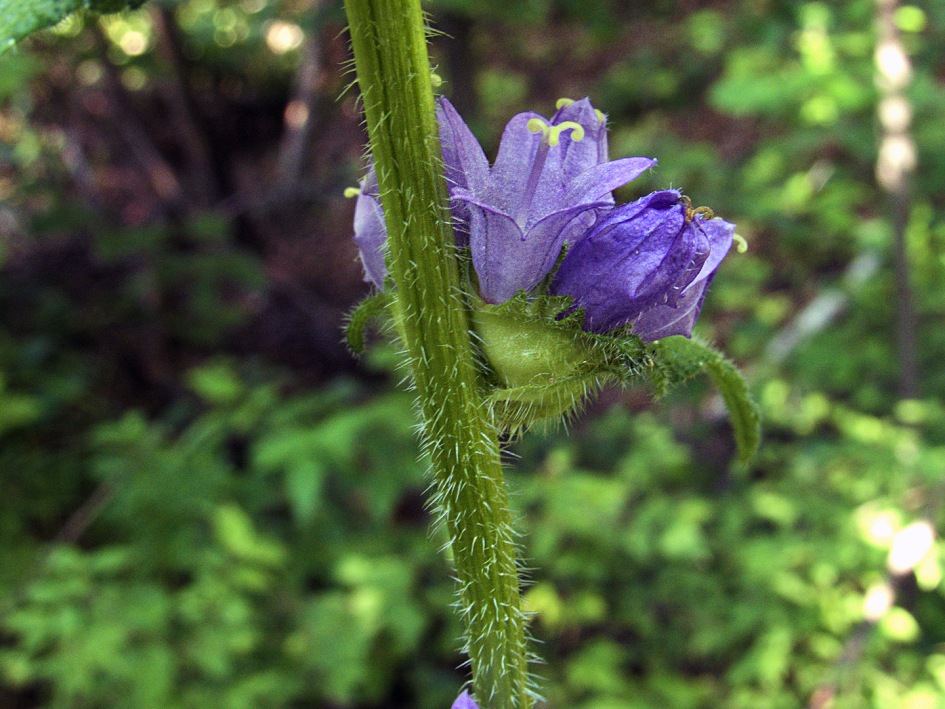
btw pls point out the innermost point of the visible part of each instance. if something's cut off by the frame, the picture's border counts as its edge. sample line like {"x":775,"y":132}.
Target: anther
{"x":351,"y":192}
{"x":536,"y":125}
{"x":692,"y":212}
{"x":562,"y":102}
{"x":741,"y":246}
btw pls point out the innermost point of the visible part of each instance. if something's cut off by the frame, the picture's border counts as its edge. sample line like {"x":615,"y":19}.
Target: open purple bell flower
{"x":647,"y":264}
{"x":549,"y":182}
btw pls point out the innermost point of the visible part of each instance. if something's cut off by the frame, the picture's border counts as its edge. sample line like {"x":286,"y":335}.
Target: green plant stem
{"x":393,"y":69}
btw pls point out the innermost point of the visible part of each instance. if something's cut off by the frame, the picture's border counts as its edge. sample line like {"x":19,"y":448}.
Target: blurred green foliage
{"x":204,"y":504}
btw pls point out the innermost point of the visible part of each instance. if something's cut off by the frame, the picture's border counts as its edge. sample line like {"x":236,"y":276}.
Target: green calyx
{"x":542,"y":365}
{"x":539,"y":366}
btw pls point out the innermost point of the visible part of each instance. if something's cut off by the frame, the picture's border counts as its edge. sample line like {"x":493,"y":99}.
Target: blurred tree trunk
{"x":894,"y":167}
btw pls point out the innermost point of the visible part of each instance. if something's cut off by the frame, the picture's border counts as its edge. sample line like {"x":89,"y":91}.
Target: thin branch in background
{"x":822,"y":310}
{"x":299,"y":114}
{"x":70,"y":532}
{"x":461,"y":62}
{"x":192,"y":132}
{"x":82,"y":518}
{"x":894,"y":167}
{"x":160,"y":174}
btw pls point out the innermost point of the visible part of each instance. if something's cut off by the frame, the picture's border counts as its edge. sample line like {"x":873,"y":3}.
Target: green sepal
{"x":679,"y":359}
{"x":370,"y":309}
{"x":542,"y":364}
{"x":21,"y":18}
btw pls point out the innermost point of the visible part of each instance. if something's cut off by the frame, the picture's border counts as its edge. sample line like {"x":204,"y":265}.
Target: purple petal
{"x":464,"y":701}
{"x":581,"y":155}
{"x":466,"y":164}
{"x":598,"y":181}
{"x":507,"y":259}
{"x":664,"y":320}
{"x":517,"y":151}
{"x":370,"y":231}
{"x":640,"y":255}
{"x":674,"y":265}
{"x":492,"y":236}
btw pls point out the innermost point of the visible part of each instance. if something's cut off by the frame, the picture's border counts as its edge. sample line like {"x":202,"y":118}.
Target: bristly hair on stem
{"x":431,"y":317}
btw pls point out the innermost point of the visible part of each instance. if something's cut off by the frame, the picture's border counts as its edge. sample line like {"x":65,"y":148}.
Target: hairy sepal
{"x":372,"y":310}
{"x":543,"y":365}
{"x":678,"y":359}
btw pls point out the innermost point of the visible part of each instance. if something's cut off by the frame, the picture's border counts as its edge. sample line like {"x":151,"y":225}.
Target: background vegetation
{"x":206,"y":502}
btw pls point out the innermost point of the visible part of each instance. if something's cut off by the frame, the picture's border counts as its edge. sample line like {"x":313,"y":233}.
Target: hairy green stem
{"x":393,"y":69}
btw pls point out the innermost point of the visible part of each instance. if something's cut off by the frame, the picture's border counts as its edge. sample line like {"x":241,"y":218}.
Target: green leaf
{"x":21,"y":18}
{"x":679,"y":359}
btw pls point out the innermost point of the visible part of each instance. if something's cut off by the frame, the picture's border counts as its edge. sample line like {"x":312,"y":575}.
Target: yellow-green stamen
{"x":351,"y":192}
{"x":552,"y":134}
{"x":741,"y":245}
{"x":564,"y":102}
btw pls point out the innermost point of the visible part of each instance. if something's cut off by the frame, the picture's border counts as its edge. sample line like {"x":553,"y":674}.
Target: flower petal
{"x":664,"y":320}
{"x":674,"y":266}
{"x":640,"y":255}
{"x":517,"y":151}
{"x":592,"y":150}
{"x":508,"y":260}
{"x":598,"y":181}
{"x":464,"y":701}
{"x":466,"y":164}
{"x":370,"y":231}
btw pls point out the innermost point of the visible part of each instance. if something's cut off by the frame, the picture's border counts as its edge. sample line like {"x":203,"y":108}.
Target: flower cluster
{"x":646,"y":264}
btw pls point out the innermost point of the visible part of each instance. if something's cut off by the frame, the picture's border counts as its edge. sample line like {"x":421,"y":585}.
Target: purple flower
{"x":465,"y":164}
{"x":647,"y":264}
{"x":464,"y":701}
{"x":549,"y":182}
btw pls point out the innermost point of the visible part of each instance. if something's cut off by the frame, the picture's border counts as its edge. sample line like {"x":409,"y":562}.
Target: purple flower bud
{"x":464,"y":701}
{"x":647,"y":264}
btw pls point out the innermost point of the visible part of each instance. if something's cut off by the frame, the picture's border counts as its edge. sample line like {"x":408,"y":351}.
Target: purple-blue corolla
{"x":550,"y":182}
{"x":646,"y":264}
